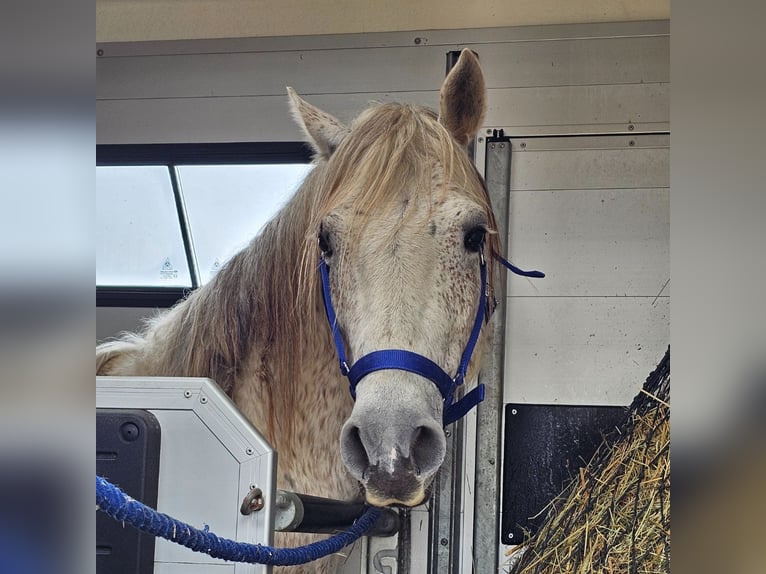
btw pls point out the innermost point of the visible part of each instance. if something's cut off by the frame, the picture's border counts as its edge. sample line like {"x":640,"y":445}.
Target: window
{"x":169,"y":216}
{"x":227,"y":205}
{"x":138,"y":237}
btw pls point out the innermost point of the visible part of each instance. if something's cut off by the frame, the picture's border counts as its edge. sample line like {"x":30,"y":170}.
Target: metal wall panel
{"x":580,"y":109}
{"x":263,"y":118}
{"x":592,"y":243}
{"x":523,"y":111}
{"x":593,"y":213}
{"x":388,"y":39}
{"x":555,"y":79}
{"x":595,"y":61}
{"x":583,"y":350}
{"x":591,"y":169}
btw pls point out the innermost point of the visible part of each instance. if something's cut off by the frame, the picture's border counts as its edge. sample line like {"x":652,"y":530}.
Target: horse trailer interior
{"x":574,"y":150}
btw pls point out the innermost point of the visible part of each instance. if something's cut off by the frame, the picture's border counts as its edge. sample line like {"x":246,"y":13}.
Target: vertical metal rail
{"x":183,"y":221}
{"x":445,"y":518}
{"x":486,"y":547}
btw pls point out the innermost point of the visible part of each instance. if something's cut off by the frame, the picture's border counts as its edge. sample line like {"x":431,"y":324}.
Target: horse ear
{"x":463,"y":98}
{"x":323,"y":131}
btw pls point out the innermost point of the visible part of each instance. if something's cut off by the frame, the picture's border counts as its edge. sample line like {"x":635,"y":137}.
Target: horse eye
{"x":474,"y":239}
{"x":324,"y":243}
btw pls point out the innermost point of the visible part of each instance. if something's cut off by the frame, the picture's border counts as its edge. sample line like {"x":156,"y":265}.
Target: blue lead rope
{"x":114,"y":502}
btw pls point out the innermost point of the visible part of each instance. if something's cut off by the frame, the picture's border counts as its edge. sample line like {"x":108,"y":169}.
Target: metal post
{"x":445,"y":518}
{"x":497,"y":173}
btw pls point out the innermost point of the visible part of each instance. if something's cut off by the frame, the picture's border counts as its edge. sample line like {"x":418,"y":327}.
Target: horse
{"x":401,"y":219}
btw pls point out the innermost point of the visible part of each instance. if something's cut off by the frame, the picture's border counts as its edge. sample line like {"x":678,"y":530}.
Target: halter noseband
{"x":404,"y":360}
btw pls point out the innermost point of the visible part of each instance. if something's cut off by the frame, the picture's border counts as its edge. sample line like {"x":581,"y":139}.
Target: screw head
{"x":631,"y":127}
{"x":444,"y":542}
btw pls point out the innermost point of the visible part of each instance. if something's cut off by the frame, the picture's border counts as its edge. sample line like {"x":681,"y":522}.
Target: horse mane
{"x":266,"y":299}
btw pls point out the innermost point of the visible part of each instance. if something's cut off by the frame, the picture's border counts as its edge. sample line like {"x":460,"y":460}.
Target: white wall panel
{"x":591,"y":242}
{"x":582,"y":350}
{"x":579,"y":109}
{"x":425,"y":37}
{"x":594,"y":61}
{"x":556,"y":79}
{"x":265,"y":118}
{"x":593,"y":213}
{"x":590,"y":169}
{"x":524,"y":111}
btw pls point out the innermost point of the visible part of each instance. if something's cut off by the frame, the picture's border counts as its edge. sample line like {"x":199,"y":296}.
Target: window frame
{"x":172,"y":155}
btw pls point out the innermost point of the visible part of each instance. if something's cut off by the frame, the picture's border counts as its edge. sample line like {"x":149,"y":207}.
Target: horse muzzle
{"x":393,"y":454}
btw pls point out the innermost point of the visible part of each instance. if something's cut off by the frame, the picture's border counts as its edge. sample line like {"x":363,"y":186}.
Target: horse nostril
{"x":353,"y":452}
{"x":428,"y":448}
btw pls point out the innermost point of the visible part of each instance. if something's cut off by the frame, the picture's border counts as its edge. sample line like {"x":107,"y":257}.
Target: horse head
{"x":402,"y":221}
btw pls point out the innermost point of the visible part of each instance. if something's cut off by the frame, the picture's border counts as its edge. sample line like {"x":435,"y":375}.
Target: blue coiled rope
{"x":114,"y":502}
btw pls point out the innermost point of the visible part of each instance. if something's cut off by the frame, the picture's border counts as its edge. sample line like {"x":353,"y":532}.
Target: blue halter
{"x":404,"y":360}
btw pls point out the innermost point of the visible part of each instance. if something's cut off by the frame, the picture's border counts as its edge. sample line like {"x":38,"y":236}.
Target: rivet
{"x":631,"y":127}
{"x":481,"y":139}
{"x":491,"y":461}
{"x":514,"y":412}
{"x":99,"y":52}
{"x":448,"y":433}
{"x":523,"y":144}
{"x":418,"y":40}
{"x":187,"y":394}
{"x":631,"y":143}
{"x":203,"y":399}
{"x":249,"y":450}
{"x":492,"y":146}
{"x":444,"y":542}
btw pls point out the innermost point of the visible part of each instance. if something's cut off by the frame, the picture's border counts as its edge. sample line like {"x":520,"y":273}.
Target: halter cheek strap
{"x":403,"y":360}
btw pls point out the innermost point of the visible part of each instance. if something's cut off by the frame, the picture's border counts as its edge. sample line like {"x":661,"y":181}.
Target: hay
{"x":615,"y":517}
